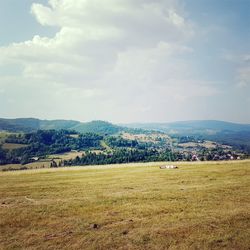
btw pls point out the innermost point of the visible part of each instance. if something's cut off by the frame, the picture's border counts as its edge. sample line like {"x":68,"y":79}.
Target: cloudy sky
{"x":125,"y":60}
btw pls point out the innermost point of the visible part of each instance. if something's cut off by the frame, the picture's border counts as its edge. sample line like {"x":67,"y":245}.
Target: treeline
{"x":119,"y":142}
{"x":122,"y":156}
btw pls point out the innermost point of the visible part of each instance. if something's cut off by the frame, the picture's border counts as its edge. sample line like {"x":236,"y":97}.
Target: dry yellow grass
{"x":32,"y":165}
{"x":66,"y":156}
{"x":12,"y":146}
{"x":42,"y":163}
{"x":205,"y":144}
{"x":135,"y":206}
{"x":10,"y":167}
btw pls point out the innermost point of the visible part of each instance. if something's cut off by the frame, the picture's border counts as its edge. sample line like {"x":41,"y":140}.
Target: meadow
{"x":127,"y":206}
{"x":12,"y":146}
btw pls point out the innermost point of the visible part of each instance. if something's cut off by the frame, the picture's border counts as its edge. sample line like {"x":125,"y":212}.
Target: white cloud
{"x":110,"y":59}
{"x":92,"y":35}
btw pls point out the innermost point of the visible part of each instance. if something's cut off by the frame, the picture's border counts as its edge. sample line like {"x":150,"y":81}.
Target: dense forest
{"x":46,"y":142}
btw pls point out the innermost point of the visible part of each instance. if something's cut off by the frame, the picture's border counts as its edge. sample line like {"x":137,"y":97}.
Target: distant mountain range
{"x":193,"y":127}
{"x":234,"y":134}
{"x":208,"y":127}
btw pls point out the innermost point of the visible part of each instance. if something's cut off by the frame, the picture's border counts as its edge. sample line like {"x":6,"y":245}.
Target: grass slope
{"x":198,"y":206}
{"x":12,"y":146}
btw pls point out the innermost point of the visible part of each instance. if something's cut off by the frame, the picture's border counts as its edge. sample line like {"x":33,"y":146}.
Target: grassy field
{"x":67,"y":155}
{"x":42,"y":163}
{"x":134,"y":206}
{"x":12,"y":146}
{"x":4,"y":135}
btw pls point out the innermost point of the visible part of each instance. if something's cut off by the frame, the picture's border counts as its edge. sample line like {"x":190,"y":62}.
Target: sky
{"x":125,"y":60}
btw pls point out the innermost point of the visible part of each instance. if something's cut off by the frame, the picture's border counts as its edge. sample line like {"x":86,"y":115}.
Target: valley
{"x":105,"y":143}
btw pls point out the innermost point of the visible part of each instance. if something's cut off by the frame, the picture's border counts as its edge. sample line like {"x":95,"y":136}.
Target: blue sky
{"x":124,"y":60}
{"x":17,"y":23}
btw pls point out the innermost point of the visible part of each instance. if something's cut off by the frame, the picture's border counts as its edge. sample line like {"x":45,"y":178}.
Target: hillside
{"x":193,"y":127}
{"x":133,"y":206}
{"x":99,"y":127}
{"x":32,"y":124}
{"x":233,"y":134}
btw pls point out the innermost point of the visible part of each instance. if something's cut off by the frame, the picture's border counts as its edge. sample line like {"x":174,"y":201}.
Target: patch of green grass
{"x":135,"y":206}
{"x":105,"y":145}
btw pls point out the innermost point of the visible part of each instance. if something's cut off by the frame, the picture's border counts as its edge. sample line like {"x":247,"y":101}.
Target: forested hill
{"x":193,"y":127}
{"x":32,"y":124}
{"x":99,"y":127}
